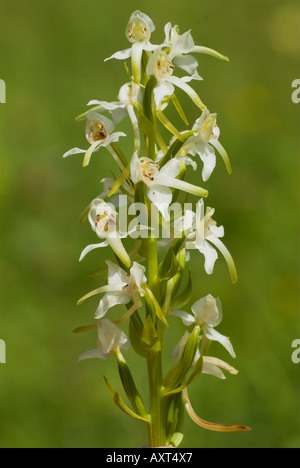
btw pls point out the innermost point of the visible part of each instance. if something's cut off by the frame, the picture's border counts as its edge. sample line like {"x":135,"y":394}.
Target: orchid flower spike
{"x":103,"y":218}
{"x":207,"y":313}
{"x":99,"y":133}
{"x":161,"y":66}
{"x":110,"y":340}
{"x":121,"y":289}
{"x":160,"y":181}
{"x":204,"y":142}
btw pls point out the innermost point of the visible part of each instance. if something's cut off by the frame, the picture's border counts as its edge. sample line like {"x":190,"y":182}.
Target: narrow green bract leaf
{"x":184,"y":297}
{"x":177,"y":374}
{"x":130,"y":387}
{"x":120,"y":180}
{"x":120,"y":403}
{"x":149,"y":337}
{"x":135,"y":334}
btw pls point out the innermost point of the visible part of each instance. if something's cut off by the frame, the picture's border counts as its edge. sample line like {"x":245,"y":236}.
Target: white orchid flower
{"x":99,"y":133}
{"x":103,"y":218}
{"x":207,"y":313}
{"x":211,"y":365}
{"x":203,"y":234}
{"x":180,"y":46}
{"x":120,"y":109}
{"x":110,"y":340}
{"x":138,"y":32}
{"x":116,"y":200}
{"x":121,"y":289}
{"x":160,"y":181}
{"x":204,"y":142}
{"x":160,"y":65}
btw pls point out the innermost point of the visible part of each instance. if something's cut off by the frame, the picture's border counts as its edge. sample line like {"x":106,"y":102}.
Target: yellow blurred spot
{"x":283,"y":29}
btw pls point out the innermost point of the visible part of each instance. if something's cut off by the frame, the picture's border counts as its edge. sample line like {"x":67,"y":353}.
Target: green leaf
{"x":145,"y":125}
{"x":135,"y":333}
{"x":174,"y":248}
{"x":120,"y":180}
{"x":177,"y":374}
{"x":175,"y":420}
{"x":120,"y":403}
{"x":148,"y":98}
{"x":120,"y":154}
{"x":184,"y":297}
{"x":187,"y":89}
{"x":130,"y":387}
{"x":177,"y":280}
{"x":175,"y":147}
{"x":154,"y":305}
{"x":174,"y":269}
{"x":167,"y":124}
{"x":85,"y":328}
{"x":192,"y":377}
{"x":149,"y":337}
{"x":179,"y":109}
{"x":92,"y":109}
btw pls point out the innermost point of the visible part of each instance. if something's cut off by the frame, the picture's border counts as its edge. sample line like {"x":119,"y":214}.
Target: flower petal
{"x":161,"y":197}
{"x":187,"y":63}
{"x":186,"y":318}
{"x":110,"y":300}
{"x":73,"y":151}
{"x":120,"y":55}
{"x":223,"y":154}
{"x":161,"y":90}
{"x":187,"y":89}
{"x":213,"y":335}
{"x":208,"y":157}
{"x":93,"y":353}
{"x":184,"y":186}
{"x":227,"y":255}
{"x":91,"y":247}
{"x":210,"y":255}
{"x":117,"y":246}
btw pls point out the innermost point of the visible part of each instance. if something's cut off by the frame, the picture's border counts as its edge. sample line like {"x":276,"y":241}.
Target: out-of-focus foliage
{"x":52,"y":60}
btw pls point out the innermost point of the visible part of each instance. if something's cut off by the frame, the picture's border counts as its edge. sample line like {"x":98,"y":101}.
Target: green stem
{"x":157,"y":427}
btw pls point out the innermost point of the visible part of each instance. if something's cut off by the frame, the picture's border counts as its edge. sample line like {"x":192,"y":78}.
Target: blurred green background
{"x":52,"y":60}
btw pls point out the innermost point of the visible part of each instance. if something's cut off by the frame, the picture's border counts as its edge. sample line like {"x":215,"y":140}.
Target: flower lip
{"x":163,"y":66}
{"x":97,"y":133}
{"x":103,"y":218}
{"x":139,"y":28}
{"x":148,"y":171}
{"x":98,"y":127}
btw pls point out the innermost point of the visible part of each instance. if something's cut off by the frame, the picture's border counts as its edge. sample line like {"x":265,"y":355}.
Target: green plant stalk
{"x":157,"y":432}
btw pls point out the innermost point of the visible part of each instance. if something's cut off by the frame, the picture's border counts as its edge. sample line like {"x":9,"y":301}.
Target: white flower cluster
{"x":154,"y":175}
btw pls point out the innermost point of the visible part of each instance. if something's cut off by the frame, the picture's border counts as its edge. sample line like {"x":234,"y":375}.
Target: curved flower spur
{"x":147,"y":281}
